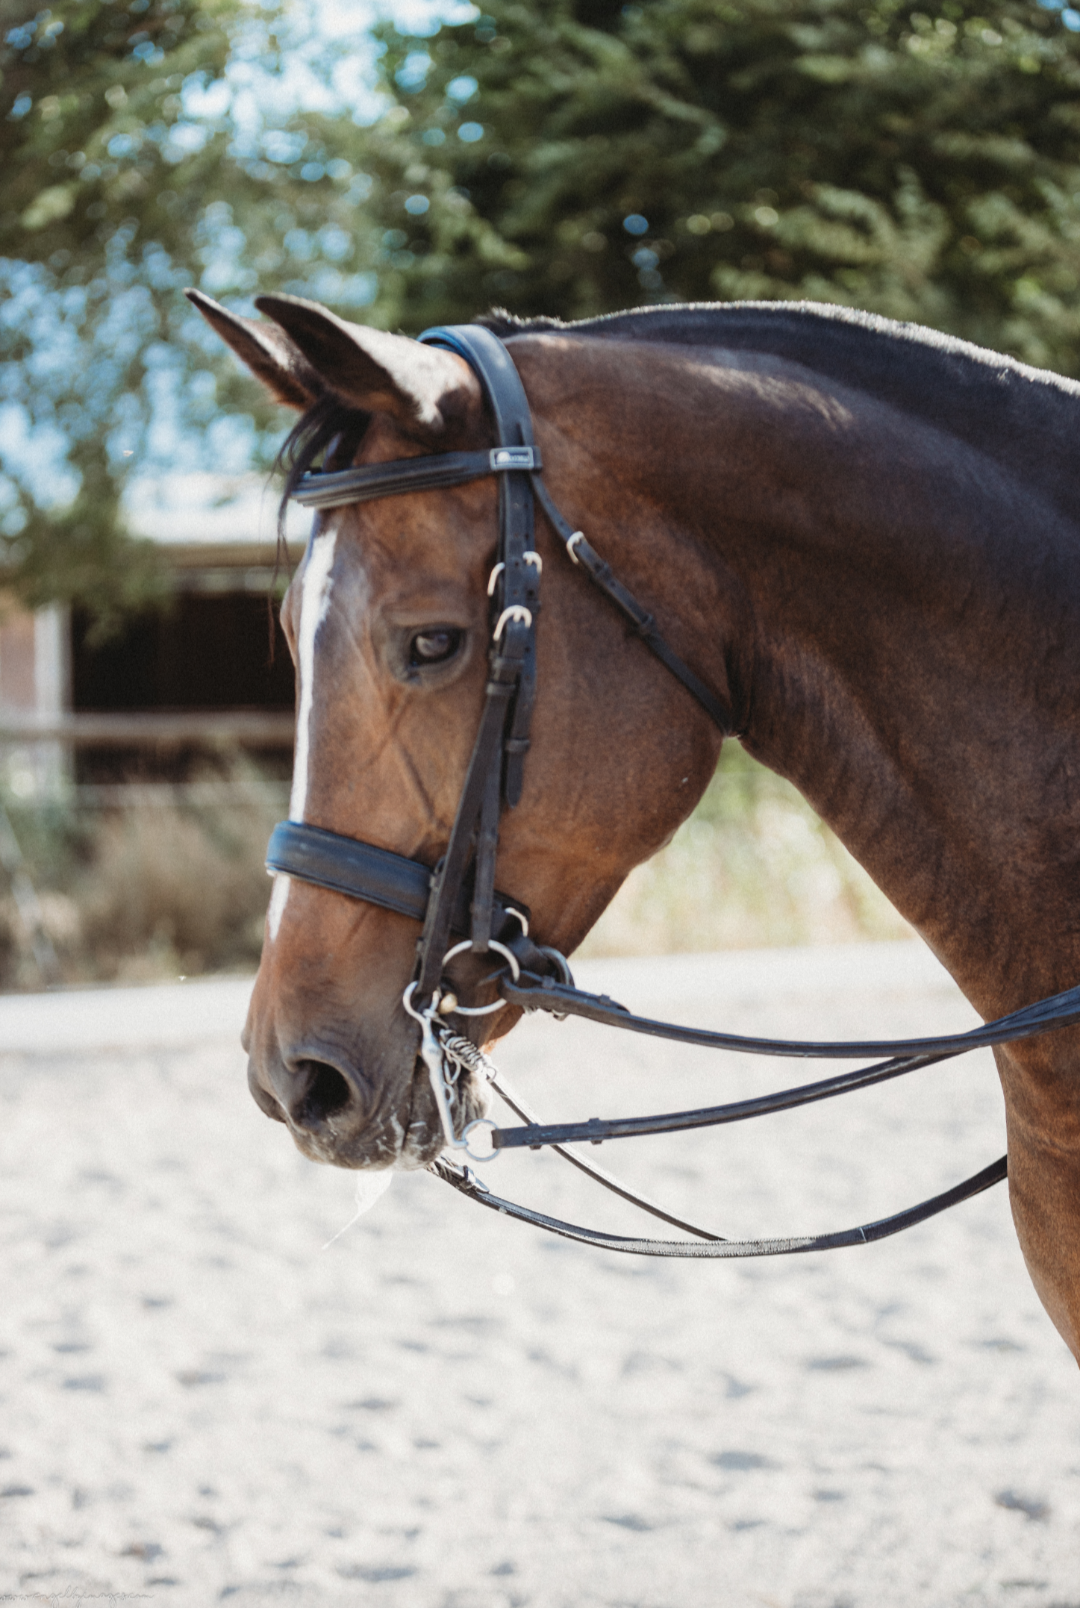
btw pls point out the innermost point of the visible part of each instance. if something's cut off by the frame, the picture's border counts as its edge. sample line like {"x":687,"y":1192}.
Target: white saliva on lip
{"x":369,"y":1187}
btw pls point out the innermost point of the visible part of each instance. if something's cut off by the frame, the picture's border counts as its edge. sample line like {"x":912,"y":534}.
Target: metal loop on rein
{"x":536,"y":976}
{"x":500,"y":949}
{"x":445,"y":1054}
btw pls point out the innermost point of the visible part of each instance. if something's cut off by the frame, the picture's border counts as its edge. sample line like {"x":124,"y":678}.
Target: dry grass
{"x":158,"y":890}
{"x":752,"y":868}
{"x":150,"y":890}
{"x":175,"y":891}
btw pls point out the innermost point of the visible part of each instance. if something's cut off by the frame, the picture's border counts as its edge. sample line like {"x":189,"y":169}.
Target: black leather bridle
{"x":460,"y":896}
{"x":457,"y":899}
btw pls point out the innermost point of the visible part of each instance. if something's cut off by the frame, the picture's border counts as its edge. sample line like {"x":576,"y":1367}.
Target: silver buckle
{"x":515,"y":458}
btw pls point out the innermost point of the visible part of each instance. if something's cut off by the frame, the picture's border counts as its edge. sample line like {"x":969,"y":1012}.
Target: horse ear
{"x":267,"y":351}
{"x":421,"y":387}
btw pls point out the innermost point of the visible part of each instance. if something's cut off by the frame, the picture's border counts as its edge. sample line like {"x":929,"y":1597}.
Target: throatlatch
{"x":457,"y":899}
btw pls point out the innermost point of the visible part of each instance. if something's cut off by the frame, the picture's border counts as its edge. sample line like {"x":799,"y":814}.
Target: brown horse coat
{"x":865,"y":536}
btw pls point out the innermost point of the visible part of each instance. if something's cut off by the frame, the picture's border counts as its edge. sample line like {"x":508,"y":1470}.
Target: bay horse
{"x":864,"y":536}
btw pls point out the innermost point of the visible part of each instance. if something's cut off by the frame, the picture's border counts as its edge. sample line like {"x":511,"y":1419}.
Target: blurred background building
{"x":213,"y":649}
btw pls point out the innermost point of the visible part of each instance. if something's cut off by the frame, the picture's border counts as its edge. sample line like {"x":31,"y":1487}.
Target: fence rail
{"x":184,"y":795}
{"x":244,"y":728}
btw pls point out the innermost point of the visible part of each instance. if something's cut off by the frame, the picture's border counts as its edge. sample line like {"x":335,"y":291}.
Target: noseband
{"x":457,"y":900}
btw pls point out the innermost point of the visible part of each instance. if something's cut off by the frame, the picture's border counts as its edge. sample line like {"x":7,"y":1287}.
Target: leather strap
{"x":378,"y":876}
{"x":465,"y":1180}
{"x":534,"y":1136}
{"x":518,"y":581}
{"x":544,"y":993}
{"x":340,"y":487}
{"x":602,"y":576}
{"x":515,"y":605}
{"x":905,"y":1055}
{"x":598,"y":1174}
{"x":449,"y":879}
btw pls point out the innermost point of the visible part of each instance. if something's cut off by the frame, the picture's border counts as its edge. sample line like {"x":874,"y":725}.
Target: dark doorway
{"x":205,"y":651}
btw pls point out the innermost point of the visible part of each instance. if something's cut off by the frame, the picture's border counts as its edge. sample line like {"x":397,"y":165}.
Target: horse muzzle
{"x":341,"y":1118}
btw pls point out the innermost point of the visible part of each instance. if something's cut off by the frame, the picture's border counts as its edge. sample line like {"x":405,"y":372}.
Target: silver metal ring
{"x":493,"y":577}
{"x":578,"y":536}
{"x":515,"y":968}
{"x":463,"y":1142}
{"x":516,"y":611}
{"x":522,"y":917}
{"x":561,"y":962}
{"x":458,"y":949}
{"x":533,"y":558}
{"x":406,"y":1000}
{"x":493,"y":943}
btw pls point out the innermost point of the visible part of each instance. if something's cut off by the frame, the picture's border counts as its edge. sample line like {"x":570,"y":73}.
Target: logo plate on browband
{"x":515,"y":458}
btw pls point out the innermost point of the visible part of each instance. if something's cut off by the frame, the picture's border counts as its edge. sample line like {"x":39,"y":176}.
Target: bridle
{"x":460,"y":908}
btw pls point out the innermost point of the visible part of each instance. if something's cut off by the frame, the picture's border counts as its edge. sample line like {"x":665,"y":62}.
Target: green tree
{"x":127,"y":159}
{"x":565,"y":157}
{"x":925,"y":166}
{"x":91,"y":141}
{"x":142,"y":149}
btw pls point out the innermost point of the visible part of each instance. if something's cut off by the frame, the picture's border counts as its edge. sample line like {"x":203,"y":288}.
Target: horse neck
{"x":900,"y":617}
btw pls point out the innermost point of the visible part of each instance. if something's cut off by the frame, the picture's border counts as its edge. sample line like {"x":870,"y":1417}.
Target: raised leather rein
{"x":458,"y":898}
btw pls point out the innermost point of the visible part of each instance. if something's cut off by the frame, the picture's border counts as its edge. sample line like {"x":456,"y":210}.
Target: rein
{"x":457,"y":901}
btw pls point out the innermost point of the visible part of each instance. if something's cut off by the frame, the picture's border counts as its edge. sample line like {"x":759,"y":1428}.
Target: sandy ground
{"x":449,"y":1410}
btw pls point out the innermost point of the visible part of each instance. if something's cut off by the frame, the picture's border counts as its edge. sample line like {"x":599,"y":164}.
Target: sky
{"x":330,"y":68}
{"x":320,"y":29}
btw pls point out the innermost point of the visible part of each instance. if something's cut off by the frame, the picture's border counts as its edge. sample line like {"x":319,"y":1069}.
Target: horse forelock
{"x":330,"y":431}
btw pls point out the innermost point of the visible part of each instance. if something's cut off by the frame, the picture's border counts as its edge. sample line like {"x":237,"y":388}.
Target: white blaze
{"x":314,"y":603}
{"x":277,"y":903}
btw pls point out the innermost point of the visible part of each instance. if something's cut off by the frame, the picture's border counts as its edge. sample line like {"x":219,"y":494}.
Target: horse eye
{"x":435,"y":647}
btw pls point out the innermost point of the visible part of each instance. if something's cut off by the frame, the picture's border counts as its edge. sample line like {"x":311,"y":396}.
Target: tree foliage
{"x":89,"y":124}
{"x":922,"y":166}
{"x":108,"y":206}
{"x":92,"y":126}
{"x":565,"y":157}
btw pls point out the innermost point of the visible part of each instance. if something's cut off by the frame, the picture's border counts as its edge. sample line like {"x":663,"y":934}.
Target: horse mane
{"x":820,"y":333}
{"x":1023,"y":417}
{"x":329,"y":429}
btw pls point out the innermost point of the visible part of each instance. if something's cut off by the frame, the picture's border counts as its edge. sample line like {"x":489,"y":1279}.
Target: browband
{"x":343,"y":486}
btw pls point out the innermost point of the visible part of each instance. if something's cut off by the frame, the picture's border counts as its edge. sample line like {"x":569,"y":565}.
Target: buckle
{"x":515,"y":458}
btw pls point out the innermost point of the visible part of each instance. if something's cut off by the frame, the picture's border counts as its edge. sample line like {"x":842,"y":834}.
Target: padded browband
{"x":361,"y":871}
{"x":342,"y":486}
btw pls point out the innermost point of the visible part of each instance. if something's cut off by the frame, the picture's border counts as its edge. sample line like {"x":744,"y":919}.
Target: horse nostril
{"x":318,"y":1091}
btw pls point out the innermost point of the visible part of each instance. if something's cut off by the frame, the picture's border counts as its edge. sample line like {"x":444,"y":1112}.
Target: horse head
{"x":387,"y":619}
